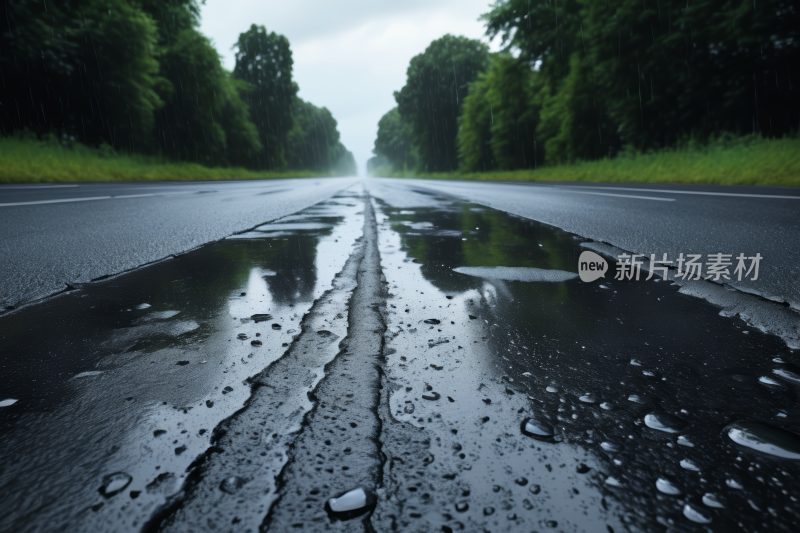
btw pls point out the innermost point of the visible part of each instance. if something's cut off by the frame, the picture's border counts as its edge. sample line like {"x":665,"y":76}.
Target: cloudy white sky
{"x":349,"y":55}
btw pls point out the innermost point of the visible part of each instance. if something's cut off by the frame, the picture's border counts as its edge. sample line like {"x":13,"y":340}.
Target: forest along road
{"x":402,"y":356}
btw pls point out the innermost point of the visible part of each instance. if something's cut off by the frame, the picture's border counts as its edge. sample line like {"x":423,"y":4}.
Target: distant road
{"x":52,"y":235}
{"x":55,"y":235}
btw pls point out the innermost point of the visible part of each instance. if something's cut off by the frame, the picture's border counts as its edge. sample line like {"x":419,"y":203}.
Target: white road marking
{"x":623,"y":195}
{"x":3,"y":187}
{"x":694,"y":192}
{"x":65,"y":200}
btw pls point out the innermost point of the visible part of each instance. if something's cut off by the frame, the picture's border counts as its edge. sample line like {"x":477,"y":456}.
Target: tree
{"x":430,"y":102}
{"x":84,"y":69}
{"x":345,"y":162}
{"x":650,"y":73}
{"x":204,"y":107}
{"x":497,"y":128}
{"x":313,"y":142}
{"x":394,"y":141}
{"x":377,"y":165}
{"x":264,"y":61}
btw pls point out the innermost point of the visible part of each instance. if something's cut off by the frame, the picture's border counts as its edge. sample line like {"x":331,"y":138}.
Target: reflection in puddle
{"x":679,"y":418}
{"x":157,"y":360}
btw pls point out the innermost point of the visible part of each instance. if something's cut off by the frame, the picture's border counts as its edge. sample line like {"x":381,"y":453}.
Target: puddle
{"x":664,"y":413}
{"x":119,"y":384}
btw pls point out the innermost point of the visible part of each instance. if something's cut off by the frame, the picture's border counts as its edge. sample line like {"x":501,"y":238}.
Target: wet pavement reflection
{"x":120,"y":383}
{"x":274,"y":380}
{"x":632,"y":397}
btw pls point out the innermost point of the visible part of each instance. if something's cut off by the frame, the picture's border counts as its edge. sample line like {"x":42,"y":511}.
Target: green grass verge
{"x":749,"y":161}
{"x":32,"y":161}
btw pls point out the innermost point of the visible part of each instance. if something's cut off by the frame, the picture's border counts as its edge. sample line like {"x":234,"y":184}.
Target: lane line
{"x":4,"y":187}
{"x":692,"y":192}
{"x":66,"y":200}
{"x":623,"y":195}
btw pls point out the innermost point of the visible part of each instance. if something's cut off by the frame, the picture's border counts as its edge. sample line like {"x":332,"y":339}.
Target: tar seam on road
{"x":344,"y":428}
{"x":249,"y":470}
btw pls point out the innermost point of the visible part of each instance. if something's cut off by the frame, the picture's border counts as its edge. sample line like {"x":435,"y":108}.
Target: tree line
{"x":581,"y":80}
{"x":138,"y":76}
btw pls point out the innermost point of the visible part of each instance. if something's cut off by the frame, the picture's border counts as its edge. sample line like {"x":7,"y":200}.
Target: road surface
{"x":380,"y":355}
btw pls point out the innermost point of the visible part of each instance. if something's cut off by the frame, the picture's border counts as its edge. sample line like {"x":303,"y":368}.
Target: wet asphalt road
{"x":57,"y":236}
{"x":365,"y":342}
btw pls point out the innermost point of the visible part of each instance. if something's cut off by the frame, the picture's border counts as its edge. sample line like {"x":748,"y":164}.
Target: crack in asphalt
{"x":264,"y":461}
{"x":339,"y":448}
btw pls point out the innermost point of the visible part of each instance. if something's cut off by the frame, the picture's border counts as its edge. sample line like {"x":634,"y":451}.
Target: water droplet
{"x":535,"y":489}
{"x":488,"y":511}
{"x":8,"y":402}
{"x":788,"y":375}
{"x":588,"y":398}
{"x":610,"y":447}
{"x":180,"y":449}
{"x":351,"y":503}
{"x":114,"y":483}
{"x":766,"y":380}
{"x":241,"y":336}
{"x":683,"y":441}
{"x":433,"y":396}
{"x":276,"y":326}
{"x":766,"y":439}
{"x":667,"y":487}
{"x":696,"y":514}
{"x":688,"y":464}
{"x":551,"y":388}
{"x":324,"y":333}
{"x":734,"y":484}
{"x":142,"y":306}
{"x":664,"y":422}
{"x":432,"y":321}
{"x":582,"y":468}
{"x":521,"y":481}
{"x":255,"y":343}
{"x":159,"y":432}
{"x":635,"y":362}
{"x":409,"y":408}
{"x":607,"y":406}
{"x":232,"y":484}
{"x":612,"y":481}
{"x":263,"y":317}
{"x":462,"y":507}
{"x":551,"y":523}
{"x":714,"y":500}
{"x":182,"y":363}
{"x":635,"y":398}
{"x":537,"y":428}
{"x":527,"y":374}
{"x":209,"y":403}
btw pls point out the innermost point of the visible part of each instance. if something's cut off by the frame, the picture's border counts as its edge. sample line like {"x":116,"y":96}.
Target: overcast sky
{"x":349,"y":55}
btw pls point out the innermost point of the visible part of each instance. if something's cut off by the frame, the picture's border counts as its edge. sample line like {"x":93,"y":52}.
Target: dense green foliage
{"x":582,"y":80}
{"x":264,"y":61}
{"x":748,"y":160}
{"x":313,"y":142}
{"x":137,"y":76}
{"x":430,"y":102}
{"x":395,"y":142}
